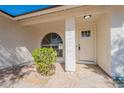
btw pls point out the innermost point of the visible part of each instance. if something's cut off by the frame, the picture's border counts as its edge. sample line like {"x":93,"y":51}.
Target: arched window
{"x":53,"y":40}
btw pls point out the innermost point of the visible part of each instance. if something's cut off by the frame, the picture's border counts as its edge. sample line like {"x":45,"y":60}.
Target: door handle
{"x":78,"y":46}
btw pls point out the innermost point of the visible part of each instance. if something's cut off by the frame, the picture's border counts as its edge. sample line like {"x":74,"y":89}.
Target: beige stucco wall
{"x":48,"y":27}
{"x":103,"y":47}
{"x":16,"y":43}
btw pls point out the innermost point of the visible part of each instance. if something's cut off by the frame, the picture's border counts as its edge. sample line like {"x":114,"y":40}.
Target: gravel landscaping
{"x":86,"y":76}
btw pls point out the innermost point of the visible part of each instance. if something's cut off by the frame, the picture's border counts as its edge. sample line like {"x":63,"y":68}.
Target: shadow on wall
{"x":117,"y":44}
{"x":11,"y":57}
{"x":118,"y":57}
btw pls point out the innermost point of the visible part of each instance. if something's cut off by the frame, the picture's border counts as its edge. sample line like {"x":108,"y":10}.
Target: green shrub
{"x":45,"y":59}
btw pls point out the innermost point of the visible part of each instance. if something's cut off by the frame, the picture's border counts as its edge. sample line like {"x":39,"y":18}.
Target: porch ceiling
{"x":60,"y":15}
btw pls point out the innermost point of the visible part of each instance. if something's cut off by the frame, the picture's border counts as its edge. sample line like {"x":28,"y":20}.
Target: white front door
{"x":86,"y":46}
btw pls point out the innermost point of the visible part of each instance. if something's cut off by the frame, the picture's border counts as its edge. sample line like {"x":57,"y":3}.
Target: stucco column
{"x":70,"y":45}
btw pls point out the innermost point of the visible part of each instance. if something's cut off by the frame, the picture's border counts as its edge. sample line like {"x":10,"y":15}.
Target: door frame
{"x":77,"y":45}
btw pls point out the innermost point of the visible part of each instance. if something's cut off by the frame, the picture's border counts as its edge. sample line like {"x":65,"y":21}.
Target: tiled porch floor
{"x":89,"y":76}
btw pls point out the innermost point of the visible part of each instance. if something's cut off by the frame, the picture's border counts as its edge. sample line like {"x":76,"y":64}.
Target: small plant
{"x":45,"y":59}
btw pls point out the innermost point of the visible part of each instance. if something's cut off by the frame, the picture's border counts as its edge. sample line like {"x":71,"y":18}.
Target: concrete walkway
{"x":86,"y":76}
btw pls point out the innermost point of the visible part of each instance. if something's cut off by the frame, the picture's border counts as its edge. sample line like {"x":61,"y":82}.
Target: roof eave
{"x":42,"y":12}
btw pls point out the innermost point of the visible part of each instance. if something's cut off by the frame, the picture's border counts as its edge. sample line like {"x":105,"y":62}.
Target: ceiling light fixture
{"x":87,"y":16}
